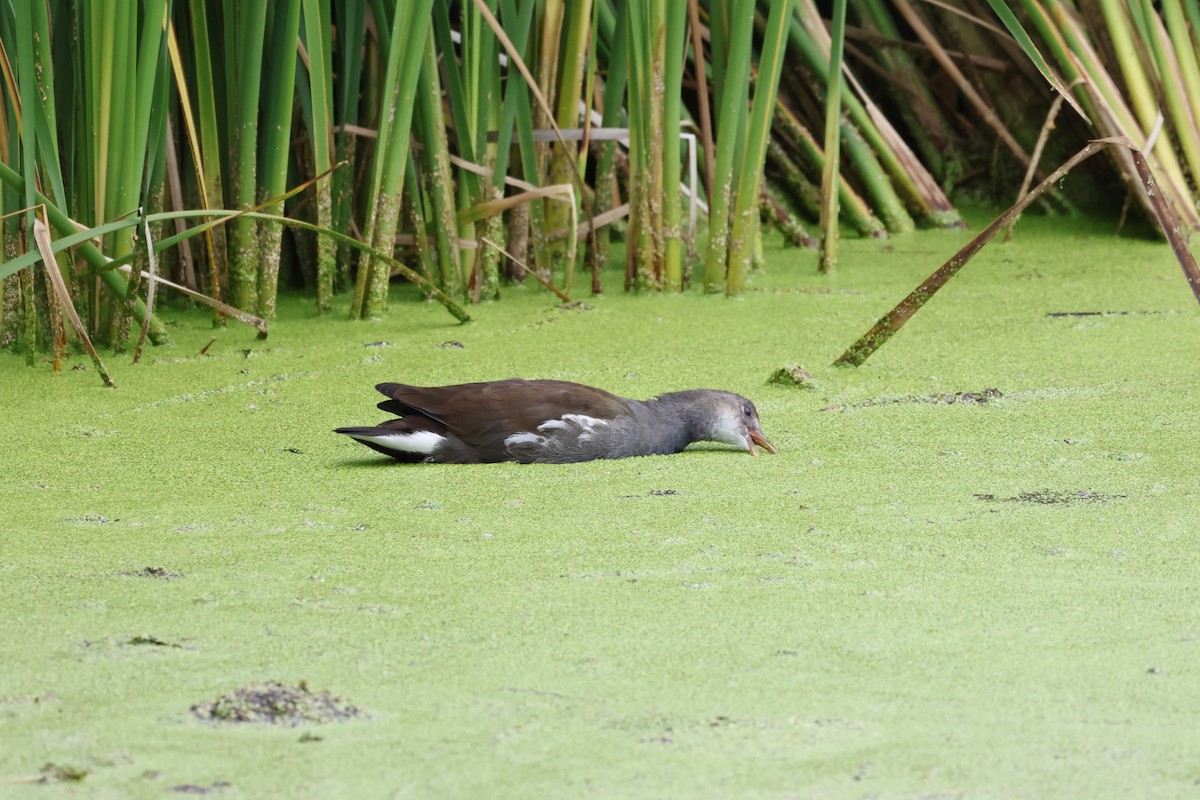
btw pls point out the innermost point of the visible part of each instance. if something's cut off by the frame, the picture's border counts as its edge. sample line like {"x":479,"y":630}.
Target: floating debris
{"x":1052,"y":497}
{"x":53,"y":773}
{"x":98,"y":519}
{"x":275,"y":703}
{"x":1060,"y":314}
{"x":153,"y":641}
{"x":152,"y":572}
{"x":191,"y":788}
{"x":957,"y":398}
{"x":794,"y":375}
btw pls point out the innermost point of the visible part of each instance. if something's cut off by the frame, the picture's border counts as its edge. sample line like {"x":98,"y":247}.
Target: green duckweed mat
{"x":973,"y":570}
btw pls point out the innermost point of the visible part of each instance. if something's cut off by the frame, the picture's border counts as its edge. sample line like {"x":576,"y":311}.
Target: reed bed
{"x":225,"y":151}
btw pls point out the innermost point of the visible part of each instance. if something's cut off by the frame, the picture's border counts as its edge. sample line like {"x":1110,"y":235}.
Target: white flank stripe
{"x":584,"y":421}
{"x":524,"y":438}
{"x":552,"y":424}
{"x":422,"y":442}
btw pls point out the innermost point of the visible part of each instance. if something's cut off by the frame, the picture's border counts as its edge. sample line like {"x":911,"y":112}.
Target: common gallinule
{"x":552,"y":421}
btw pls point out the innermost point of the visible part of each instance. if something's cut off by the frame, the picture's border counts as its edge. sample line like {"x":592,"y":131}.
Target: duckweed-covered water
{"x":971,"y":571}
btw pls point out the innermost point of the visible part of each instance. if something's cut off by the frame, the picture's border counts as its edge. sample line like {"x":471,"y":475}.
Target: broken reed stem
{"x":892,"y":321}
{"x":1167,"y":221}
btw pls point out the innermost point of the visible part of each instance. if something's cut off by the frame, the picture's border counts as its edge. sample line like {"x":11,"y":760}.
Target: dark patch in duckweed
{"x":61,"y":773}
{"x":452,"y":344}
{"x":955,"y":398}
{"x":652,"y":493}
{"x":277,"y":704}
{"x":1052,"y":497}
{"x":152,"y":641}
{"x":89,"y":519}
{"x":152,"y":572}
{"x":192,"y":788}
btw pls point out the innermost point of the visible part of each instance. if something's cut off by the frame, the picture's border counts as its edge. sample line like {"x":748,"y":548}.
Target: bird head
{"x":736,"y":422}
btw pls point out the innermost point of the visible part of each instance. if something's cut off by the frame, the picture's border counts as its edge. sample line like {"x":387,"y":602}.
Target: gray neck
{"x":672,"y":421}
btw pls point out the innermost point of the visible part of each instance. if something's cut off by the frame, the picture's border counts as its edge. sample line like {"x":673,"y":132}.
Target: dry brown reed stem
{"x":960,"y":80}
{"x":698,"y":60}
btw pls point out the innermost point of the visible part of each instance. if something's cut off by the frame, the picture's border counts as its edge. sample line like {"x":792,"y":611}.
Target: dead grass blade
{"x":490,"y":208}
{"x":41,"y":237}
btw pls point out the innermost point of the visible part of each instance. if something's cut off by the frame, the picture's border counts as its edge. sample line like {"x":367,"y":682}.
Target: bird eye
{"x":747,"y":411}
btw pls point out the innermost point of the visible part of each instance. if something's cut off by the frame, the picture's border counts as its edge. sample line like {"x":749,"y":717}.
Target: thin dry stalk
{"x":538,"y":277}
{"x":255,"y":322}
{"x":148,"y":243}
{"x":1036,"y":157}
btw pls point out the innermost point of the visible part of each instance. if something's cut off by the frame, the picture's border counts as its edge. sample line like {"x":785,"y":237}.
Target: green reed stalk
{"x":406,"y":48}
{"x":833,"y":113}
{"x":318,"y":42}
{"x":613,"y":115}
{"x":1172,"y":69}
{"x":209,"y":169}
{"x":279,"y":72}
{"x":570,"y":71}
{"x":482,"y":57}
{"x":643,"y":263}
{"x":882,"y":184}
{"x":247,"y":22}
{"x":439,"y":183}
{"x":351,"y":26}
{"x":674,"y":20}
{"x":731,"y":114}
{"x":744,"y":224}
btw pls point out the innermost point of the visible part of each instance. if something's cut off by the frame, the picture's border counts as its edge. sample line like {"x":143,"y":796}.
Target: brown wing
{"x":484,"y":414}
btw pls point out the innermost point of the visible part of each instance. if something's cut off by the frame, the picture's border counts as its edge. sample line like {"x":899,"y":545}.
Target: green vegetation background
{"x":883,"y":609}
